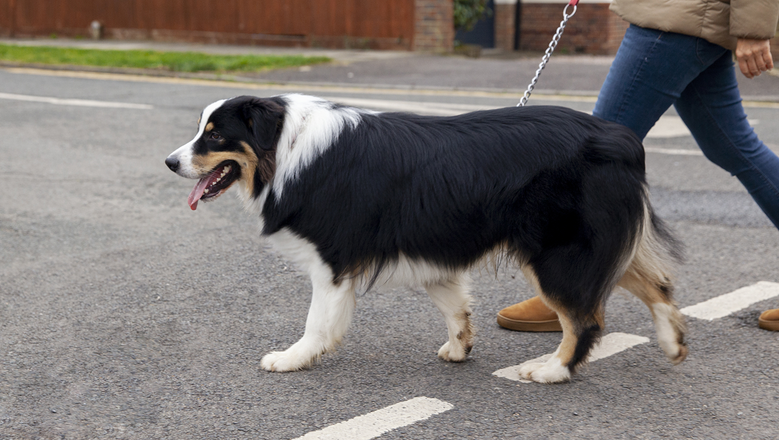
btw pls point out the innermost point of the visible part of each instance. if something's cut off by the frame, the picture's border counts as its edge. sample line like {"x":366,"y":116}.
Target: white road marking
{"x":427,"y":108}
{"x":670,"y":126}
{"x":379,"y":422}
{"x":673,"y":151}
{"x":75,"y":102}
{"x":609,"y":345}
{"x":237,"y":83}
{"x":724,"y":305}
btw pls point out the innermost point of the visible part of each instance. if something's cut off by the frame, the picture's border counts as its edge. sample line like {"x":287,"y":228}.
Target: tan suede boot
{"x":769,"y":320}
{"x":529,"y":316}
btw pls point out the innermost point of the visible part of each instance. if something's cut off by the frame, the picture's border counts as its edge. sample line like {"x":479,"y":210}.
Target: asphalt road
{"x":123,"y":314}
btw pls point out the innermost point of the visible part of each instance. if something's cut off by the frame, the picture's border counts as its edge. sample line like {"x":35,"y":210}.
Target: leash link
{"x":549,"y":50}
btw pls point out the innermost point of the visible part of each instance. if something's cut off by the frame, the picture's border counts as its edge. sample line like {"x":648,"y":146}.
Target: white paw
{"x":452,"y":352}
{"x":679,"y":356}
{"x":287,"y":360}
{"x":551,"y":371}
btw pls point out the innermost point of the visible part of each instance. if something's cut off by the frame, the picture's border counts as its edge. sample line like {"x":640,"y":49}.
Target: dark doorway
{"x":483,"y":34}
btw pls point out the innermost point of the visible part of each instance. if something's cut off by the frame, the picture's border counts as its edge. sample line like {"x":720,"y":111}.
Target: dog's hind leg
{"x":649,"y":278}
{"x":579,"y":336}
{"x":581,"y":331}
{"x":655,"y":291}
{"x":452,"y":299}
{"x":332,"y":307}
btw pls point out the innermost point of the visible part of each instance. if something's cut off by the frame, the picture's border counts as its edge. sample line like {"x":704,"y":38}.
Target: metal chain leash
{"x":549,"y":51}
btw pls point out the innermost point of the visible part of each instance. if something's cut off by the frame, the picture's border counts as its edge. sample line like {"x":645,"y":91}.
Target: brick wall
{"x":434,"y":25}
{"x":593,"y":29}
{"x":505,"y":17}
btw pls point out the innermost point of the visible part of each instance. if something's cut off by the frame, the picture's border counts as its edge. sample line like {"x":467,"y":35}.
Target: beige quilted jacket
{"x":718,"y":21}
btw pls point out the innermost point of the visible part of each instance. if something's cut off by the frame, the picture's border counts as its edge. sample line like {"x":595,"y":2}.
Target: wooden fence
{"x":377,"y":24}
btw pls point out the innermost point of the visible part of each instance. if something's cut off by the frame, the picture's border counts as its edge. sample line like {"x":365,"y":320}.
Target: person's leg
{"x":650,"y":71}
{"x":711,"y":108}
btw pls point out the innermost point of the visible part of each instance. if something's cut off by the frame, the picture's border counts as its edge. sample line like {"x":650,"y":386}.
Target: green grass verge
{"x":148,"y":59}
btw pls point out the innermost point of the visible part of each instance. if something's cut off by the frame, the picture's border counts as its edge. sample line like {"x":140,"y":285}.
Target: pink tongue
{"x":202,"y":184}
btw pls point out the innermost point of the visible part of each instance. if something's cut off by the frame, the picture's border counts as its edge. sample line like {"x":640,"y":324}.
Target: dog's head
{"x":236,"y":142}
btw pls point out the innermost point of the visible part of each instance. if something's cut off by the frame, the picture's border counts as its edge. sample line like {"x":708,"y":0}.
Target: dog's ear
{"x":264,"y":118}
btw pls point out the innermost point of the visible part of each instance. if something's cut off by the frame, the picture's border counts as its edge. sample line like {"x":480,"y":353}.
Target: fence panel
{"x":327,"y":20}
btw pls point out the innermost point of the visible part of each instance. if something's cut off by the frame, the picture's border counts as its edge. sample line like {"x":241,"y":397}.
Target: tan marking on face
{"x":209,"y":127}
{"x":204,"y":164}
{"x":247,"y":160}
{"x":249,"y":166}
{"x":266,"y":166}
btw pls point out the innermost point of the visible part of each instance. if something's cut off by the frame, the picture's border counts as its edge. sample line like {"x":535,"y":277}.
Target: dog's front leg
{"x":452,"y":299}
{"x":330,"y":314}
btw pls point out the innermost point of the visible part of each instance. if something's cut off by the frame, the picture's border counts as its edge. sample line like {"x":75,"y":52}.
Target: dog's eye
{"x":214,"y":136}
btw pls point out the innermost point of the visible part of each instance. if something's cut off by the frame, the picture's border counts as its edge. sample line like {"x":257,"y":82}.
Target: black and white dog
{"x":359,"y":198}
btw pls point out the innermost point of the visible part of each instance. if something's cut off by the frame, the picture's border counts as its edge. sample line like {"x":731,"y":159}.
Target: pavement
{"x":494,"y":71}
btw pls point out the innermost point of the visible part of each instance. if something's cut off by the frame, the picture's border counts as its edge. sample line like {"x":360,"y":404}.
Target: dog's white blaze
{"x":724,"y":305}
{"x":311,"y":125}
{"x":379,"y":422}
{"x":185,"y":152}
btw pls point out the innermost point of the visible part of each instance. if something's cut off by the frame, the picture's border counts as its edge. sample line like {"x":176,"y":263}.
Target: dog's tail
{"x":656,"y":250}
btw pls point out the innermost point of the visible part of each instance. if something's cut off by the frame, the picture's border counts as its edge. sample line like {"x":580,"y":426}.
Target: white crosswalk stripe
{"x":609,"y":345}
{"x":75,"y":102}
{"x":732,"y":302}
{"x":378,"y":422}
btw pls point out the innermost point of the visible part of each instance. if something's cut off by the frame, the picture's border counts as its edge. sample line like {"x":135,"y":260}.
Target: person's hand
{"x":754,"y":56}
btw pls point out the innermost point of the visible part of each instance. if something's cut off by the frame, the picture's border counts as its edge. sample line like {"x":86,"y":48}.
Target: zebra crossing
{"x":377,"y":423}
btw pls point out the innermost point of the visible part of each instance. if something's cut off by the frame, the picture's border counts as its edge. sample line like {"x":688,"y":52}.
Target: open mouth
{"x":214,"y":184}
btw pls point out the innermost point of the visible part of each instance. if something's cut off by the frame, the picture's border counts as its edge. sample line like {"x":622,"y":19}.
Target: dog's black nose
{"x":172,"y":163}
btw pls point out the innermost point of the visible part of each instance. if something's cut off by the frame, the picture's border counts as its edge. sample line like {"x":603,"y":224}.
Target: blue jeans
{"x":654,"y":69}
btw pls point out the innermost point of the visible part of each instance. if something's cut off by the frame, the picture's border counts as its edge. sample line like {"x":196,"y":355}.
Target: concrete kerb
{"x":347,"y":57}
{"x":381,"y":89}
